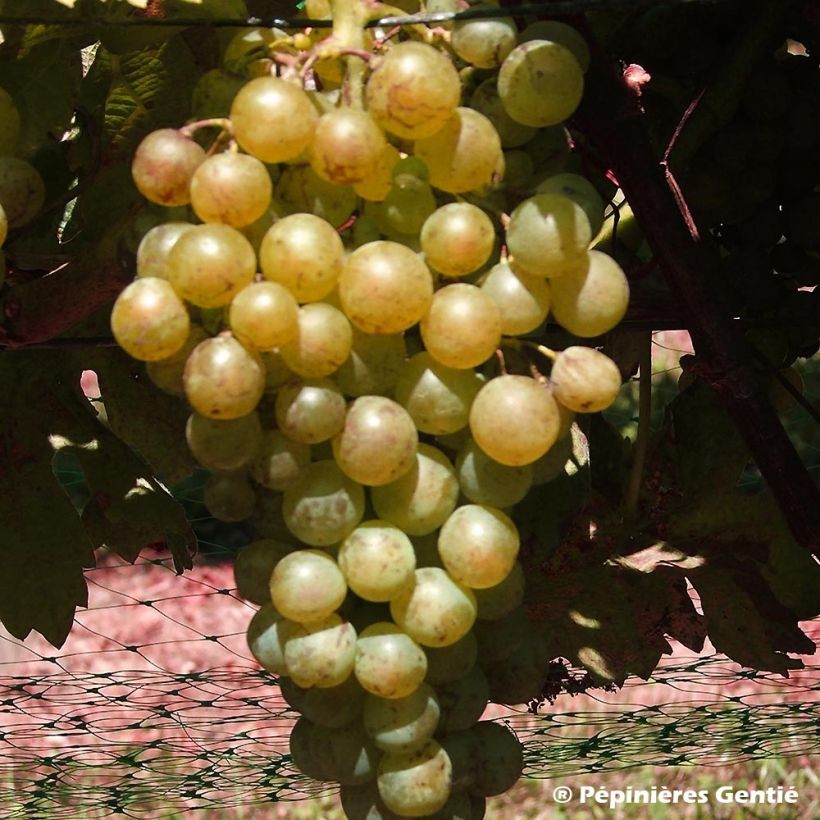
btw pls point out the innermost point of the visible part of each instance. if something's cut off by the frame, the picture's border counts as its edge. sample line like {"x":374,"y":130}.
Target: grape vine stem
{"x":612,"y":118}
{"x":633,"y":490}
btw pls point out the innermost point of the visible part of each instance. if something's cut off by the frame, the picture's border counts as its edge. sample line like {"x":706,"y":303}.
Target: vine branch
{"x":612,"y":118}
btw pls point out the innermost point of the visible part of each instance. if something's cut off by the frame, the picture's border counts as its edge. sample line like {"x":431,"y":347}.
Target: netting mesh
{"x":154,"y":697}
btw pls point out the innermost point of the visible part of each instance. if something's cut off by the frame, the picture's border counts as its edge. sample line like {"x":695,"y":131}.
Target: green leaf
{"x":148,"y":420}
{"x":44,"y":546}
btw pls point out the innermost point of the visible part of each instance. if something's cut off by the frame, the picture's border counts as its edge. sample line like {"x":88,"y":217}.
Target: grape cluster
{"x":22,"y":190}
{"x":346,"y":390}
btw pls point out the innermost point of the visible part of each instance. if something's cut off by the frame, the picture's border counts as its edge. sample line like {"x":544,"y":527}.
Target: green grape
{"x":323,"y":505}
{"x":303,"y":253}
{"x":153,"y":249}
{"x":149,"y":321}
{"x":209,"y":264}
{"x":591,"y":300}
{"x":279,"y":460}
{"x":499,"y":638}
{"x":214,"y":93}
{"x":377,"y":184}
{"x":377,"y":560}
{"x":229,"y":497}
{"x":320,"y":653}
{"x":232,"y":189}
{"x":463,"y":701}
{"x":540,"y":83}
{"x":223,"y":379}
{"x":486,"y":101}
{"x":423,"y":498}
{"x":306,"y":586}
{"x":224,"y":445}
{"x":585,"y":380}
{"x":411,"y":166}
{"x":331,"y":707}
{"x":415,"y":783}
{"x":463,"y":154}
{"x":514,"y":420}
{"x":524,"y":301}
{"x":401,"y":724}
{"x":457,"y":239}
{"x":347,"y":146}
{"x":347,"y":753}
{"x":462,"y":328}
{"x":310,"y":411}
{"x":497,"y":601}
{"x":389,"y":663}
{"x":451,"y":663}
{"x":413,"y":91}
{"x":322,"y":344}
{"x":303,"y":754}
{"x":9,"y":125}
{"x":268,"y":518}
{"x":254,"y":565}
{"x":484,"y":43}
{"x":378,"y":442}
{"x":163,"y":165}
{"x":434,"y":610}
{"x":273,"y":120}
{"x":167,"y":373}
{"x":374,"y":364}
{"x":264,"y":315}
{"x":437,"y":397}
{"x":277,"y":373}
{"x":22,"y":191}
{"x":478,"y":545}
{"x":302,"y":190}
{"x":547,"y":234}
{"x":267,"y":634}
{"x":499,"y":758}
{"x":560,"y":33}
{"x":407,"y":205}
{"x":579,"y":190}
{"x":484,"y":481}
{"x":364,"y":803}
{"x":385,"y":287}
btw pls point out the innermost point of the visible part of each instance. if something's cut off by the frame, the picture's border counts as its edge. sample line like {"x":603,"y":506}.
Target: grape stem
{"x":222,"y":123}
{"x":633,"y":490}
{"x":349,"y":19}
{"x":612,"y":118}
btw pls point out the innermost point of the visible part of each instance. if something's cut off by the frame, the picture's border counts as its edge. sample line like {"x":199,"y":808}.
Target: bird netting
{"x":155,"y":705}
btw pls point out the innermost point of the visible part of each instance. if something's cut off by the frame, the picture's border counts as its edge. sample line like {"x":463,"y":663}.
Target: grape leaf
{"x":148,"y":420}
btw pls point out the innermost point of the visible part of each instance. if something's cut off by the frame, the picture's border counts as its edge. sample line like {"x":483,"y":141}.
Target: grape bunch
{"x":335,"y":309}
{"x":22,"y":190}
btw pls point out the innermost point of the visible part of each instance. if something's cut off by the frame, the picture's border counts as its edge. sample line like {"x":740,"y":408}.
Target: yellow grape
{"x":223,"y":379}
{"x":264,"y":315}
{"x":307,"y":585}
{"x":209,"y":264}
{"x":310,"y":411}
{"x":378,"y":182}
{"x":273,"y":120}
{"x":320,"y":653}
{"x":267,"y":635}
{"x":415,"y":783}
{"x":322,"y":344}
{"x":378,"y":442}
{"x":464,"y":154}
{"x":384,"y":287}
{"x":347,"y":146}
{"x":580,"y":190}
{"x":401,"y":724}
{"x":514,"y":420}
{"x":234,"y":189}
{"x":149,"y":321}
{"x":524,"y":301}
{"x":413,"y":91}
{"x":457,"y":239}
{"x":585,"y":380}
{"x":163,"y":166}
{"x":153,"y":249}
{"x":462,"y":328}
{"x":562,"y":33}
{"x":304,"y":253}
{"x":484,"y":43}
{"x":389,"y":663}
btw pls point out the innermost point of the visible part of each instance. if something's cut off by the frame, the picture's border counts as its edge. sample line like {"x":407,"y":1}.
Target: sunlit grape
{"x":320,"y":653}
{"x":310,"y":411}
{"x":163,"y":166}
{"x":267,"y":634}
{"x":389,"y":663}
{"x":149,"y":321}
{"x":524,"y":301}
{"x":415,"y":783}
{"x":514,"y":420}
{"x":378,"y":182}
{"x":347,"y":146}
{"x":264,"y":315}
{"x":307,"y":585}
{"x":322,"y":343}
{"x":484,"y":42}
{"x":457,"y":239}
{"x":585,"y":380}
{"x":153,"y":250}
{"x":579,"y":189}
{"x":231,"y":188}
